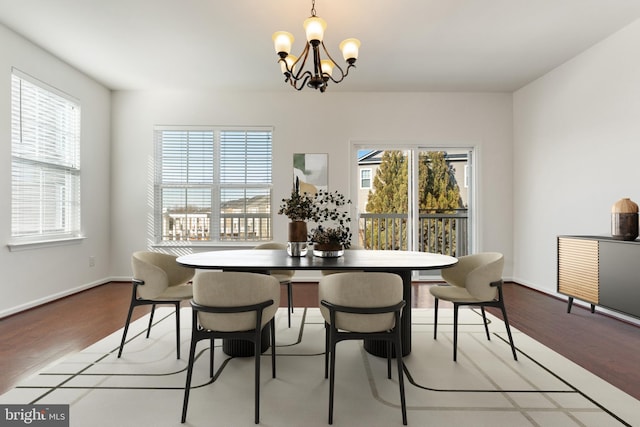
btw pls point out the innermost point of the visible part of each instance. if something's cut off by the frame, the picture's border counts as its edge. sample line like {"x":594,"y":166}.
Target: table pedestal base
{"x":243,"y":348}
{"x":379,"y":348}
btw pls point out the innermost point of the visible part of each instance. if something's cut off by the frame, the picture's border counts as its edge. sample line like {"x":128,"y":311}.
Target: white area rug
{"x":486,"y":387}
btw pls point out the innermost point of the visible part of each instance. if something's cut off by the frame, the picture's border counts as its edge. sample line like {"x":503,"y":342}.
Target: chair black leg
{"x":258,"y":345}
{"x":455,"y":332}
{"x":211,"y":356}
{"x":273,"y":347}
{"x":178,"y":328}
{"x":389,"y":359}
{"x":153,"y":310}
{"x":486,"y":324}
{"x":187,"y":387}
{"x":126,"y":328}
{"x":290,"y":301}
{"x":403,"y":402}
{"x":506,"y":324}
{"x":327,"y":350}
{"x":435,"y":319}
{"x":332,"y":374}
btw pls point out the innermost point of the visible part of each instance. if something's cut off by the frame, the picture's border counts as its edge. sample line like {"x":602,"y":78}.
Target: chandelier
{"x":322,"y":70}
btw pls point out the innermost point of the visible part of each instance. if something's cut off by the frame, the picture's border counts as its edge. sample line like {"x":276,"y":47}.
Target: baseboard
{"x":53,"y":297}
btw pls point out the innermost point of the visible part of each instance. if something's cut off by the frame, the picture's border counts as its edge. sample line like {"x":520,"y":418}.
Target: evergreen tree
{"x":390,"y":185}
{"x":438,"y":189}
{"x":389,"y":197}
{"x":438,"y":192}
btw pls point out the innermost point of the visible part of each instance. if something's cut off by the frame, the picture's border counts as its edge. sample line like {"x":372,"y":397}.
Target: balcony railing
{"x":444,"y":233}
{"x":232,"y":227}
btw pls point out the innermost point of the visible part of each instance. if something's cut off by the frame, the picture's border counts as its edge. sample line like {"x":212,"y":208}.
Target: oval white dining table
{"x":265,"y":260}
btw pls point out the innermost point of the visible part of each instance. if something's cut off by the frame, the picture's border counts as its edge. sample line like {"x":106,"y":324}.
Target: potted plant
{"x":332,"y":233}
{"x":299,"y":209}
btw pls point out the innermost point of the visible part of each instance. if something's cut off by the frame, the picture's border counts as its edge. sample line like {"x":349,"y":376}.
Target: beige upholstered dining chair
{"x":158,"y":279}
{"x":233,"y":305}
{"x":358,"y":306}
{"x":476,"y":280}
{"x":285,"y":277}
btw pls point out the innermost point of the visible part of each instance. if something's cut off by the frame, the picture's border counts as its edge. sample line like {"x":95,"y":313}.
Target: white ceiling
{"x":407,"y":45}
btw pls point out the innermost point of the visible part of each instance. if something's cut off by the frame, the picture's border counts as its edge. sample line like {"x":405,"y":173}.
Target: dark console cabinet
{"x":600,"y":270}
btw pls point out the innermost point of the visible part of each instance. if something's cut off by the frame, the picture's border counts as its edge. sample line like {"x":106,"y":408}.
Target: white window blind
{"x":45,"y":162}
{"x":213,"y":184}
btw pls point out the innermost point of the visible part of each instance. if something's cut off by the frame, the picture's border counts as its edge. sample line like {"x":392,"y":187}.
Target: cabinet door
{"x":620,"y":277}
{"x":578,"y":268}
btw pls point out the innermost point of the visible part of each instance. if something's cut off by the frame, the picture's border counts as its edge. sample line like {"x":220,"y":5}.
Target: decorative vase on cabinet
{"x":624,"y":219}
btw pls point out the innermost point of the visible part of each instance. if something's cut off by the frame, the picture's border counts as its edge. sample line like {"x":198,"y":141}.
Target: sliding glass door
{"x":415,"y":198}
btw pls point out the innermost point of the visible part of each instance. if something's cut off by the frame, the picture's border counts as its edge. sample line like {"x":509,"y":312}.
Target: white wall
{"x":312,"y":122}
{"x":117,"y":159}
{"x":33,"y":276}
{"x":576,"y":149}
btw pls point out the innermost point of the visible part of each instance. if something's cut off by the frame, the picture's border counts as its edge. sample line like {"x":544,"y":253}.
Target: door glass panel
{"x":416,"y":199}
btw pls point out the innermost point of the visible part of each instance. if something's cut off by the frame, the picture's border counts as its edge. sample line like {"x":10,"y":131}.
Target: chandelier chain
{"x":313,"y":7}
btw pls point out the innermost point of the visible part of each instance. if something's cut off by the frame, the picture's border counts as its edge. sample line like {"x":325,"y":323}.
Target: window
{"x":45,"y":162}
{"x":365,"y":178}
{"x":213,"y":184}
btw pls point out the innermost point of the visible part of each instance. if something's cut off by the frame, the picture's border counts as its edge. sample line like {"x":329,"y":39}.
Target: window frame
{"x":217,"y":187}
{"x":370,"y":170}
{"x":45,"y":155}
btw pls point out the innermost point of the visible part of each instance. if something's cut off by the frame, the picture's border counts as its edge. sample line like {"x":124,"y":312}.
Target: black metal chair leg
{"x":258,"y":345}
{"x":486,"y":324}
{"x":178,"y":328}
{"x":332,"y":376}
{"x":435,"y":319}
{"x":403,"y":402}
{"x":389,"y":359}
{"x":290,"y":301}
{"x":187,"y":387}
{"x":153,"y":310}
{"x":211,"y":357}
{"x":273,"y":347}
{"x":506,"y":324}
{"x":455,"y":332}
{"x":126,"y":328}
{"x":327,"y":350}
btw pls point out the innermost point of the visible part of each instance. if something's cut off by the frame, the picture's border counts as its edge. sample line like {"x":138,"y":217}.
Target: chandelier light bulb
{"x":282,"y":41}
{"x":349,"y":48}
{"x":314,"y":28}
{"x":326,"y":65}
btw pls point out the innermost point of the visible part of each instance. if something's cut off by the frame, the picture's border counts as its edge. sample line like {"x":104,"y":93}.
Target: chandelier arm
{"x":300,"y":63}
{"x":303,"y":83}
{"x":343,"y":74}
